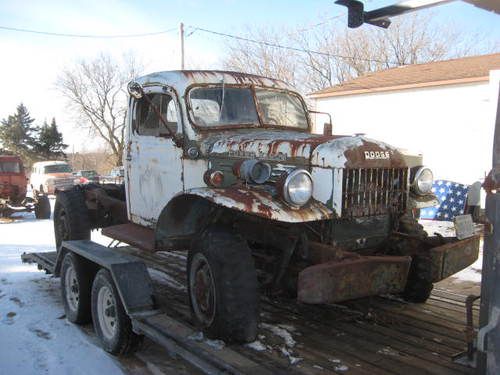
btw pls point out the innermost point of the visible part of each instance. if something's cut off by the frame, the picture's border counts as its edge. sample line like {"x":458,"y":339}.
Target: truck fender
{"x":185,"y":213}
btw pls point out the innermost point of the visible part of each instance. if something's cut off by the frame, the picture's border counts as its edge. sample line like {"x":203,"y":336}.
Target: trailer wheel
{"x":42,"y":207}
{"x":71,"y":218}
{"x":111,"y":322}
{"x":222,"y":287}
{"x":76,"y":282}
{"x":419,"y":284}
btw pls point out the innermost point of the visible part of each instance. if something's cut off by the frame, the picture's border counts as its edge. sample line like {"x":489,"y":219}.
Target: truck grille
{"x":374,"y":191}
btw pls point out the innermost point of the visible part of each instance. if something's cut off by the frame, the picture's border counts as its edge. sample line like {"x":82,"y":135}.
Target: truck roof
{"x":10,"y":158}
{"x":180,"y":80}
{"x":49,"y":162}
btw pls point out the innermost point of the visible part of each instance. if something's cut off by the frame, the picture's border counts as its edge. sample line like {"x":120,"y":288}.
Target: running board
{"x":132,"y":234}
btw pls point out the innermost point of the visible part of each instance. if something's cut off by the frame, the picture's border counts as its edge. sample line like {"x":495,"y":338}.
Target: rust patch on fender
{"x":263,"y":204}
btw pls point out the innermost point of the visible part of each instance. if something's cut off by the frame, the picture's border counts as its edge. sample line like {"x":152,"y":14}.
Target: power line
{"x":195,"y":28}
{"x":291,"y":48}
{"x":86,"y":35}
{"x":321,"y":23}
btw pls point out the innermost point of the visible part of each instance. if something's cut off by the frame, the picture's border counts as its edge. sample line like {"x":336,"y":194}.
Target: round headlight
{"x":254,"y":171}
{"x":298,"y":186}
{"x":423,"y":181}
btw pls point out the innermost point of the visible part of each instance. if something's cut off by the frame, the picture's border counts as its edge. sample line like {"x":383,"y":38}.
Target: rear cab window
{"x":57,"y":168}
{"x":10,"y":167}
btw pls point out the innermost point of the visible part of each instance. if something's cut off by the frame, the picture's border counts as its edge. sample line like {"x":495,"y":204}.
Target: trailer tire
{"x":419,"y":284}
{"x":71,"y":217}
{"x":111,"y":323}
{"x":76,"y":283}
{"x":222,"y":286}
{"x":42,"y":207}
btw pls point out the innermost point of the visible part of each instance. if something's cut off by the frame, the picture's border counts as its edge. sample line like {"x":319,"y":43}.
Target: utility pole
{"x":181,"y":36}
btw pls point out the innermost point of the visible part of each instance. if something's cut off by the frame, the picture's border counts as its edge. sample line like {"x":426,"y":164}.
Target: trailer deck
{"x":377,"y":335}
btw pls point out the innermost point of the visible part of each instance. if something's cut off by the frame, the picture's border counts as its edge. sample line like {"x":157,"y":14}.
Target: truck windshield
{"x":227,"y":106}
{"x":217,"y":106}
{"x":10,"y":167}
{"x":57,"y":168}
{"x":281,"y":109}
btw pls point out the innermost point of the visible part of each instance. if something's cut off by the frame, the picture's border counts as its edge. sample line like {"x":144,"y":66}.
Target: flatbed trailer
{"x":377,"y":335}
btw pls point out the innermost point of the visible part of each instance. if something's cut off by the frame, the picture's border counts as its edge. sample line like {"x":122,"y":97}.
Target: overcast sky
{"x":30,"y":63}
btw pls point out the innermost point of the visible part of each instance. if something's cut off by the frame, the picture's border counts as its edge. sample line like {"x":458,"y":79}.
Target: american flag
{"x":452,"y":197}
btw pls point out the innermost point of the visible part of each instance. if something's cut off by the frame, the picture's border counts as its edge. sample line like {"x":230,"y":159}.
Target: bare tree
{"x":332,"y":54}
{"x":262,"y":59}
{"x":96,"y":92}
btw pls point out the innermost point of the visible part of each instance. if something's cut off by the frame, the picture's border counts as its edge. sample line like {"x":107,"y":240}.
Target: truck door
{"x":154,"y":164}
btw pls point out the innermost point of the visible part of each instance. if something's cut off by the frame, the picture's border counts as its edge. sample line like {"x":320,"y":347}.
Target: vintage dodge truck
{"x":225,"y":166}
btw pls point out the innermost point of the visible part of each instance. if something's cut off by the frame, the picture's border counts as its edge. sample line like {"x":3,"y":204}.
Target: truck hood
{"x":288,"y":147}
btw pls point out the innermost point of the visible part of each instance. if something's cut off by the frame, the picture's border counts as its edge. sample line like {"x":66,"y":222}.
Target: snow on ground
{"x":35,"y":337}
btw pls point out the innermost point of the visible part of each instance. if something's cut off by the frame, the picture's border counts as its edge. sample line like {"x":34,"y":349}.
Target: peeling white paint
{"x":264,"y":204}
{"x":322,"y":183}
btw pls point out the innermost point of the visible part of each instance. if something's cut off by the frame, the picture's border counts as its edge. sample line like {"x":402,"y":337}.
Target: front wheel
{"x":111,"y":323}
{"x":222,"y":287}
{"x":419,"y":284}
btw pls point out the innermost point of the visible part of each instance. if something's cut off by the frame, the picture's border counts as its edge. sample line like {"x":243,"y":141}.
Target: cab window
{"x":147,"y":121}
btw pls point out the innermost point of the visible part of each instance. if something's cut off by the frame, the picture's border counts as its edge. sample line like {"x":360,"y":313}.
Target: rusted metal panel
{"x":353,"y":277}
{"x":263,"y":204}
{"x":266,"y":144}
{"x":132,"y":234}
{"x":453,"y":257}
{"x":97,"y":199}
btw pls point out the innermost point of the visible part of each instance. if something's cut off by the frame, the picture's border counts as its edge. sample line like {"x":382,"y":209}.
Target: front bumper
{"x":357,"y":276}
{"x":453,"y":257}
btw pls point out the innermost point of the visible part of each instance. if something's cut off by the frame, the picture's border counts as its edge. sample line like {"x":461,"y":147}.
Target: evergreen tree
{"x":49,"y":143}
{"x":17,"y":132}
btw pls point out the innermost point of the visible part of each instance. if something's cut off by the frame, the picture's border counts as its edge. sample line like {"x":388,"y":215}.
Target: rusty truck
{"x":13,"y":190}
{"x":224,"y":166}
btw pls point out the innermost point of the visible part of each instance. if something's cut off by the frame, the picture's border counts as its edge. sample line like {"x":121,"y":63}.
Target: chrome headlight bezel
{"x":289,"y":196}
{"x":423,"y":187}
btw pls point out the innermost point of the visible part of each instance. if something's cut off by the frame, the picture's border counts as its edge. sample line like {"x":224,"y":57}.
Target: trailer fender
{"x":184,"y":214}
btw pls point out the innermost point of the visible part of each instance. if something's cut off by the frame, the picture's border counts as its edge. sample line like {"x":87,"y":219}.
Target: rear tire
{"x":42,"y":207}
{"x":76,"y":283}
{"x":71,"y":217}
{"x":111,"y":323}
{"x":222,"y":287}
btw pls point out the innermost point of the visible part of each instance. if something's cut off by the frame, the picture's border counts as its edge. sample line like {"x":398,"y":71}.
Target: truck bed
{"x":378,"y":335}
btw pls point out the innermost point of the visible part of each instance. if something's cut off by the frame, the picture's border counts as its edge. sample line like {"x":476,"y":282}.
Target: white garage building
{"x":441,"y":109}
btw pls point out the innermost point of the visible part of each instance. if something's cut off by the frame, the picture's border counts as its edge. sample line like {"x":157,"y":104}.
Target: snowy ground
{"x":35,"y":337}
{"x":34,"y":334}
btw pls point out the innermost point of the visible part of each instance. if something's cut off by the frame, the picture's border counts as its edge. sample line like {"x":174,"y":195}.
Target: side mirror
{"x":327,"y":128}
{"x":135,"y":90}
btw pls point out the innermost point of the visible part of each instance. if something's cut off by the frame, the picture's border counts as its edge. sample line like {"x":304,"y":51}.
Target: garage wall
{"x":451,"y":125}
